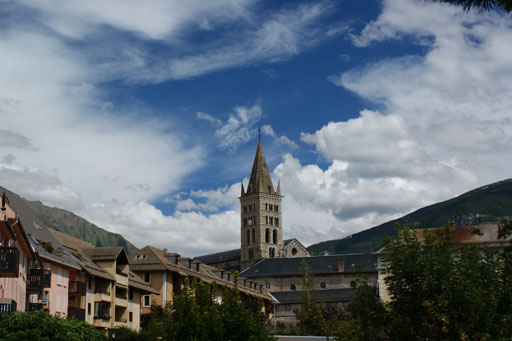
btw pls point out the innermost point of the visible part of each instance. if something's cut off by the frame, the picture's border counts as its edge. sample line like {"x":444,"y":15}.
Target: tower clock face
{"x":249,"y":222}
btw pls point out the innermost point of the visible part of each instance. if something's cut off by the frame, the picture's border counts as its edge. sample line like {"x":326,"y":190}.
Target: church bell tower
{"x":260,"y":209}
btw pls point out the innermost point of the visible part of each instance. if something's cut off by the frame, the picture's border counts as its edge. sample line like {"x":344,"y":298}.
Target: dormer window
{"x":141,"y":256}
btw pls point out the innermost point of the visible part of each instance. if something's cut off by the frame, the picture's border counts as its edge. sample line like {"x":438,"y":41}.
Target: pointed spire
{"x":278,"y":191}
{"x":260,"y":180}
{"x":243,"y":192}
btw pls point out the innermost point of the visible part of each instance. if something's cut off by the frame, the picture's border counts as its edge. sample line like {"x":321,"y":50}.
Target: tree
{"x":482,"y":5}
{"x":310,"y":315}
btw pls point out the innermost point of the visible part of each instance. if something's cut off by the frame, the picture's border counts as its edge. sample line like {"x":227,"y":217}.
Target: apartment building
{"x":16,"y":258}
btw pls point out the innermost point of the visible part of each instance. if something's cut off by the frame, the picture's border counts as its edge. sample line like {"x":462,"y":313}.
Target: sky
{"x":143,"y":117}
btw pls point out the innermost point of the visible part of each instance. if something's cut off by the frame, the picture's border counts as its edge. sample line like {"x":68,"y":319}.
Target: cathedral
{"x":261,"y":224}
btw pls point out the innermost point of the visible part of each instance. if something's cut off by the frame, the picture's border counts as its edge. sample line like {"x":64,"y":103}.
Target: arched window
{"x":277,"y":221}
{"x":276,"y":208}
{"x":271,"y":220}
{"x":266,"y":219}
{"x":248,"y":237}
{"x":274,"y":237}
{"x":294,"y":251}
{"x":292,"y":287}
{"x":267,"y":236}
{"x":272,"y":252}
{"x":253,"y":235}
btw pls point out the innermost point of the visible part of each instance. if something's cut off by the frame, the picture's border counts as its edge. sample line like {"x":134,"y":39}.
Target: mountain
{"x":491,"y":204}
{"x":73,"y":225}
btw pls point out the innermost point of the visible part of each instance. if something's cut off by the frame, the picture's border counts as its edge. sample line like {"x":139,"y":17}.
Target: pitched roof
{"x":317,"y":264}
{"x":150,"y":258}
{"x":260,"y":181}
{"x":38,"y":232}
{"x":219,"y":256}
{"x":326,"y":295}
{"x":107,"y":253}
{"x":74,"y":246}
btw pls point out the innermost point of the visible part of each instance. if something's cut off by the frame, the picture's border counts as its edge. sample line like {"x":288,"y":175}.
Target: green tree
{"x":310,"y":314}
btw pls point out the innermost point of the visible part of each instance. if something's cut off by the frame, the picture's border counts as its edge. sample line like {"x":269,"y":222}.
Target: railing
{"x":76,"y":288}
{"x":76,"y":313}
{"x":38,"y":279}
{"x":35,"y":306}
{"x":9,"y":261}
{"x":6,"y":308}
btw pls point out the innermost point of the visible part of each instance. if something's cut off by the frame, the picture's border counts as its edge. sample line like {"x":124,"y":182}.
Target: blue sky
{"x":144,"y":118}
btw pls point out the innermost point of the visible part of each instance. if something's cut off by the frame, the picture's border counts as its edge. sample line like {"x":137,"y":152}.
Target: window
{"x":141,"y":257}
{"x":277,"y":221}
{"x":341,"y":266}
{"x":147,"y":277}
{"x":323,"y":285}
{"x":88,"y":309}
{"x":248,"y":236}
{"x":287,"y":307}
{"x":266,"y":220}
{"x":102,"y":310}
{"x":253,"y":235}
{"x":267,"y":236}
{"x":130,"y":318}
{"x":90,"y":283}
{"x":146,"y":300}
{"x":293,"y":287}
{"x":271,"y":221}
{"x":130,"y":295}
{"x":276,"y":208}
{"x":267,"y":286}
{"x":274,"y":237}
{"x":353,"y":284}
{"x":294,"y":251}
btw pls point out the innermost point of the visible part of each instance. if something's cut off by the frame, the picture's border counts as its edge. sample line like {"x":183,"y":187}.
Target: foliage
{"x":482,"y":5}
{"x":310,"y":315}
{"x":196,"y":315}
{"x":39,"y":325}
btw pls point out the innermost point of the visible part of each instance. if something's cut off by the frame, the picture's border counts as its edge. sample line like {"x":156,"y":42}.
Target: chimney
{"x":176,"y":259}
{"x":197,"y":266}
{"x":190,"y":263}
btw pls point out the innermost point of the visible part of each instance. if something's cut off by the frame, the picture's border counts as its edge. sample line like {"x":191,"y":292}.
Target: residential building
{"x":105,"y":293}
{"x":334,"y":275}
{"x":16,"y":258}
{"x":167,"y":272}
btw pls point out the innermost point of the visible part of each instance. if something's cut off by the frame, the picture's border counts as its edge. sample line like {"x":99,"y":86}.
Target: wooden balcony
{"x":9,"y":261}
{"x":38,"y":279}
{"x":76,"y":313}
{"x":76,"y":288}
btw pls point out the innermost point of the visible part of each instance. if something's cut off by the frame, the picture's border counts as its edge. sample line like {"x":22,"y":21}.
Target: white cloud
{"x":240,"y":127}
{"x":267,"y":130}
{"x":207,"y":117}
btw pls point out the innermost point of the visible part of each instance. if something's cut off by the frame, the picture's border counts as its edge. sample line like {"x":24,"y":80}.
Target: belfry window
{"x":266,"y":219}
{"x":267,"y":236}
{"x":271,"y":220}
{"x":248,"y":237}
{"x":253,"y":235}
{"x":274,"y":237}
{"x":276,"y":208}
{"x":277,"y":221}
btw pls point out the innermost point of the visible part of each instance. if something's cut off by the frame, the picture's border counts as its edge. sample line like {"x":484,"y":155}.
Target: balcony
{"x":7,"y":306}
{"x":38,"y":279}
{"x":35,"y":306}
{"x":76,"y":313}
{"x":76,"y":288}
{"x":9,"y":261}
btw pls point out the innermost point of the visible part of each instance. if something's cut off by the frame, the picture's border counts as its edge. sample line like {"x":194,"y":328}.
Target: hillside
{"x":73,"y":225}
{"x":490,"y":203}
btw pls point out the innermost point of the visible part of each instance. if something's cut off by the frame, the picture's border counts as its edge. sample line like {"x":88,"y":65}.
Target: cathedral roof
{"x":260,"y":181}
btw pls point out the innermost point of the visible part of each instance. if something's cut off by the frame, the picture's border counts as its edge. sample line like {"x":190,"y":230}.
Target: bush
{"x":39,"y":325}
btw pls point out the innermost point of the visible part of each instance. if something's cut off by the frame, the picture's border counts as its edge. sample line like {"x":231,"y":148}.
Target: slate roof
{"x":219,"y":256}
{"x":37,"y":231}
{"x":318,"y":265}
{"x":326,"y":295}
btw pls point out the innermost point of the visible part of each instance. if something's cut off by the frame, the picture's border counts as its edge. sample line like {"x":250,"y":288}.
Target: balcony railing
{"x":76,"y":313}
{"x":38,"y":279}
{"x":9,"y":261}
{"x":35,"y":306}
{"x":6,"y":308}
{"x":77,"y":288}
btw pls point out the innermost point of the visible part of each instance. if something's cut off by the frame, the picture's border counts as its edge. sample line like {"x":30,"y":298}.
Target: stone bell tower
{"x":260,"y":209}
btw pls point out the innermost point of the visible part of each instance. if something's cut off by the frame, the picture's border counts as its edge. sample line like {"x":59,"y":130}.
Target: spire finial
{"x":259,"y":135}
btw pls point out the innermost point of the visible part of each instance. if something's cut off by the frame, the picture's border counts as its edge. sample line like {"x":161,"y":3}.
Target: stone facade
{"x":261,"y":220}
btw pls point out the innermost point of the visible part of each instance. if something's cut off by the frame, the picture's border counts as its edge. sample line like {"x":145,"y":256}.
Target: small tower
{"x":260,"y":210}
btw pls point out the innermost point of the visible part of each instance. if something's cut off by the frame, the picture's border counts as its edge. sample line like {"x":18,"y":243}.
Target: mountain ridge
{"x":490,"y":203}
